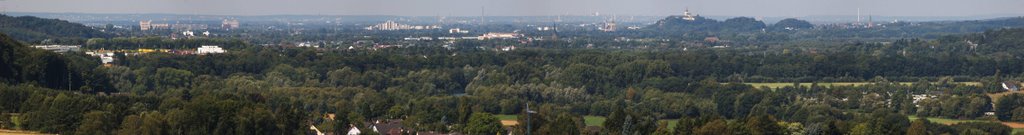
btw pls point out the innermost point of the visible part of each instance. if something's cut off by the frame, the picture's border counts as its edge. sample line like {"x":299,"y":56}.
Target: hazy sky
{"x":767,"y":8}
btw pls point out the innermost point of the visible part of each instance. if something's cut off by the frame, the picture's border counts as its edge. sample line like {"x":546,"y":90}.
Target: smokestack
{"x":858,"y":15}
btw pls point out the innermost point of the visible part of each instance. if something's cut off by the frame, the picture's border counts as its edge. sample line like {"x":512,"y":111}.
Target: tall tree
{"x":918,"y":127}
{"x":482,"y":123}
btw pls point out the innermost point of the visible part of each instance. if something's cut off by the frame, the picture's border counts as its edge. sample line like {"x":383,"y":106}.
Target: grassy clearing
{"x":946,"y":121}
{"x":507,"y":117}
{"x":780,"y":85}
{"x":995,"y":96}
{"x":671,"y":123}
{"x":589,"y":120}
{"x":20,"y":132}
{"x":594,"y":120}
{"x":599,"y":121}
{"x":1017,"y":129}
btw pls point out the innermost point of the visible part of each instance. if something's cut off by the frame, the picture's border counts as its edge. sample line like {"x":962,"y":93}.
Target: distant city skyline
{"x":766,"y":8}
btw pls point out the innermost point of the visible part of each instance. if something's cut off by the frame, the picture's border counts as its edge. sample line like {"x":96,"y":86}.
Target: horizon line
{"x":781,"y":16}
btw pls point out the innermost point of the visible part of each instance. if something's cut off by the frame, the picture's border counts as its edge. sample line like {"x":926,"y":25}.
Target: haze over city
{"x":515,"y":67}
{"x":774,"y":8}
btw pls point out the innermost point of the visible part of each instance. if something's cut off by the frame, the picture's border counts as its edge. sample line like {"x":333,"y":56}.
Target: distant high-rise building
{"x":229,"y":24}
{"x":609,"y":26}
{"x":871,"y":22}
{"x":554,"y":31}
{"x":392,"y":25}
{"x":155,"y":26}
{"x":145,"y":25}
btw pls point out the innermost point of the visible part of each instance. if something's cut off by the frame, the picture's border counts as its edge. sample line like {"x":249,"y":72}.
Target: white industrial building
{"x":59,"y":48}
{"x":392,"y":25}
{"x":208,"y":49}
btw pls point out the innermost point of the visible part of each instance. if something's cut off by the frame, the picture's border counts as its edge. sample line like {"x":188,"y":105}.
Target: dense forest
{"x":283,"y":90}
{"x":679,"y":24}
{"x":919,"y":73}
{"x":741,"y":28}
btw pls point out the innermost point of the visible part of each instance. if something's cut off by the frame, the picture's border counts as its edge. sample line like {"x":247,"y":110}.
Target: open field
{"x":19,"y":132}
{"x":594,"y":120}
{"x":946,"y":121}
{"x":508,"y":120}
{"x":995,"y":96}
{"x":506,"y":117}
{"x":1017,"y":126}
{"x":780,"y":85}
{"x":589,"y":120}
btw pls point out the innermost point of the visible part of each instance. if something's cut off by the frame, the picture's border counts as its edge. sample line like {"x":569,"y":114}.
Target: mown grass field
{"x":1017,"y":127}
{"x":20,"y":132}
{"x":506,"y":117}
{"x":946,"y":121}
{"x":593,"y":120}
{"x":589,"y":120}
{"x":995,"y":96}
{"x":780,"y":85}
{"x":599,"y":121}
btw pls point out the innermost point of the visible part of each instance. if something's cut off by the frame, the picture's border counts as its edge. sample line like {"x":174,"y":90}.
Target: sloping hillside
{"x":698,"y":23}
{"x":31,"y":29}
{"x":20,"y":64}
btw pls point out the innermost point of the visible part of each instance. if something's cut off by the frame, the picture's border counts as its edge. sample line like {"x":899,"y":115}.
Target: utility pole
{"x":527,"y":118}
{"x":528,"y":112}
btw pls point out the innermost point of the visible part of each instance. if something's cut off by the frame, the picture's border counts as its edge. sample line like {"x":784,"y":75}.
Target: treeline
{"x":20,"y":64}
{"x":277,"y":90}
{"x":34,"y":29}
{"x":160,"y":43}
{"x":680,"y":24}
{"x":928,"y":30}
{"x":262,"y":104}
{"x":28,"y":107}
{"x":903,"y":60}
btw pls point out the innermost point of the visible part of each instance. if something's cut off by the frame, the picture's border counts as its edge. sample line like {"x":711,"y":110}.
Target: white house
{"x":311,"y":127}
{"x":1011,"y":86}
{"x":353,"y":131}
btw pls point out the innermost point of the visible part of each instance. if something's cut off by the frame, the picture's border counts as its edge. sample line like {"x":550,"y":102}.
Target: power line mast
{"x":482,"y":15}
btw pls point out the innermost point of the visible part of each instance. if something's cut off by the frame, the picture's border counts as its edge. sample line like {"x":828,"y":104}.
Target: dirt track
{"x":1014,"y":124}
{"x":509,"y":122}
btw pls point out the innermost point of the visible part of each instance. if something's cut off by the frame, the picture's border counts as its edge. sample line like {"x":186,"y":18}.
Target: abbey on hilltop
{"x":688,"y":16}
